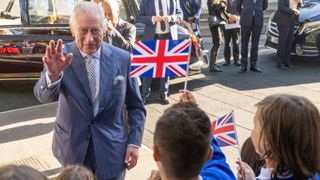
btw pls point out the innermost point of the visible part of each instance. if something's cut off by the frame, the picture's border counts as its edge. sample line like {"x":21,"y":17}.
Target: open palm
{"x":54,"y":60}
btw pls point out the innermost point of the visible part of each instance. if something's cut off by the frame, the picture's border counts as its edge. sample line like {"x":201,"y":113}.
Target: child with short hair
{"x":20,"y":172}
{"x":286,"y":135}
{"x":75,"y":172}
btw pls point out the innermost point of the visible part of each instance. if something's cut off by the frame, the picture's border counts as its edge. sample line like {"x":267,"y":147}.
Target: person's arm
{"x":198,"y":11}
{"x":265,"y":4}
{"x":178,"y":15}
{"x":124,"y":42}
{"x":217,"y":167}
{"x":47,"y":88}
{"x":239,"y":6}
{"x":142,"y":17}
{"x":284,"y":9}
{"x":136,"y":110}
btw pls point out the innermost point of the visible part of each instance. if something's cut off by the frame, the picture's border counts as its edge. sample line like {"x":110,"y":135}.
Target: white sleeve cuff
{"x":152,"y":19}
{"x":49,"y":83}
{"x":133,"y":145}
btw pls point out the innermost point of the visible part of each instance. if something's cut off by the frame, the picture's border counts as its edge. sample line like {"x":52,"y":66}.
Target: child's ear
{"x":156,"y":155}
{"x":210,"y":154}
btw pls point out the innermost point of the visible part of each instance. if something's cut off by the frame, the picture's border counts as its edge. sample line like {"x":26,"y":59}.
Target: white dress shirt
{"x":165,"y":7}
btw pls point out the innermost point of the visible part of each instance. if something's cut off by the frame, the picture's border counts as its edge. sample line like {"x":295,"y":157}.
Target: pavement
{"x":26,"y":127}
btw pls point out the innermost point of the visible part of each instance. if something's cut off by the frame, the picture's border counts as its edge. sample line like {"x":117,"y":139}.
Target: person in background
{"x":160,"y":18}
{"x":285,"y":17}
{"x":216,"y":8}
{"x":75,"y":172}
{"x":20,"y":172}
{"x":251,"y":21}
{"x":90,"y":80}
{"x":120,"y":33}
{"x":184,"y":148}
{"x":286,"y":135}
{"x":191,"y":11}
{"x":231,"y":34}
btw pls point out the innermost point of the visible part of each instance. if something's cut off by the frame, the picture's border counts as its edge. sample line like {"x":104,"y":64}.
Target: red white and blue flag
{"x":160,"y":58}
{"x":224,"y":130}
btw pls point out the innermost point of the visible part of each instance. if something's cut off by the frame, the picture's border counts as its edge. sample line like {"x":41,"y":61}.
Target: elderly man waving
{"x":90,"y":80}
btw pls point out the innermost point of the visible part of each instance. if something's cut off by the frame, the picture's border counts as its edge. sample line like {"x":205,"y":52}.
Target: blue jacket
{"x":217,"y":168}
{"x":191,"y":8}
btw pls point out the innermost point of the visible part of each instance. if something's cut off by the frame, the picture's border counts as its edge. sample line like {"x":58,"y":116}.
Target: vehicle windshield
{"x":50,"y":11}
{"x":9,"y":12}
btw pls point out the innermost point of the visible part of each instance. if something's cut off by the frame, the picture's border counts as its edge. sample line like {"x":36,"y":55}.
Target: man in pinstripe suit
{"x":90,"y":80}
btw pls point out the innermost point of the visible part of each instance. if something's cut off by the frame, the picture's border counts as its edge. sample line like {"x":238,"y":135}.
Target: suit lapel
{"x":79,"y":69}
{"x":106,"y":76}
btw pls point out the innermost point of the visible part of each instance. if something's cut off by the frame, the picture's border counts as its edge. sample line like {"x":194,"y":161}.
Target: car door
{"x":47,"y":20}
{"x":12,"y":53}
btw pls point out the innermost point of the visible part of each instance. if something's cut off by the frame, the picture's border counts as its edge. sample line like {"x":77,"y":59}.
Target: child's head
{"x":14,"y":172}
{"x":182,"y":140}
{"x":75,"y":172}
{"x":287,"y":132}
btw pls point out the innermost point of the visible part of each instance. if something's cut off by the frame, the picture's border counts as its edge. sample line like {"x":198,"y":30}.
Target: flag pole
{"x":235,"y":128}
{"x":187,"y":74}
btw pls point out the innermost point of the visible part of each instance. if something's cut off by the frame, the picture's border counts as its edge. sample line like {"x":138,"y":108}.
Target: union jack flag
{"x":224,"y":131}
{"x":160,"y":58}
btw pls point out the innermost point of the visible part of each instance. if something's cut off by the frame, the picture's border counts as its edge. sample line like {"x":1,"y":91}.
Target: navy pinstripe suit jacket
{"x":75,"y":123}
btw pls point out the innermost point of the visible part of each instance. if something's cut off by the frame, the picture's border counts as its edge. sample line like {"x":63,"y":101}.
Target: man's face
{"x":109,"y":13}
{"x":88,"y":33}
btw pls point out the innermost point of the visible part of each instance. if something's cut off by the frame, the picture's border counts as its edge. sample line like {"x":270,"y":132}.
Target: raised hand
{"x":186,"y":96}
{"x":54,"y":60}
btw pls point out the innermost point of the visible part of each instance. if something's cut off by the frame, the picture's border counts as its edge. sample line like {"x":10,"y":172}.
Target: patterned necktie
{"x":91,"y":76}
{"x":162,"y":24}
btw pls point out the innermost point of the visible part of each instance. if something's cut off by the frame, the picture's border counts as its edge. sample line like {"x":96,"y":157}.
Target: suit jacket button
{"x":41,"y":87}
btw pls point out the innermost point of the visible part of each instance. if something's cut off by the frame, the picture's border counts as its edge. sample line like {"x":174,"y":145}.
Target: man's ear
{"x":156,"y":155}
{"x":210,"y":154}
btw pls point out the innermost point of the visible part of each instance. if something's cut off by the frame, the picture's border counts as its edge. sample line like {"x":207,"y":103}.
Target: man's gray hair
{"x":114,"y":6}
{"x":88,"y":8}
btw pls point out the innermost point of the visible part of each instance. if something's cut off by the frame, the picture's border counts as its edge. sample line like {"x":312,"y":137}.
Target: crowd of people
{"x":101,"y":115}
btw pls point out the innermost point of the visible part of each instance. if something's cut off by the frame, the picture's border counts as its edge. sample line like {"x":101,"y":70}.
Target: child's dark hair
{"x":20,"y":172}
{"x":76,"y":172}
{"x":291,"y":129}
{"x":182,"y":137}
{"x":249,"y":156}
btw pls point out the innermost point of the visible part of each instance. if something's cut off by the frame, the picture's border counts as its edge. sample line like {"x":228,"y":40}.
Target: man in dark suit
{"x":160,"y":18}
{"x":285,"y":19}
{"x":231,"y":34}
{"x":251,"y":21}
{"x":120,"y":33}
{"x":90,"y":79}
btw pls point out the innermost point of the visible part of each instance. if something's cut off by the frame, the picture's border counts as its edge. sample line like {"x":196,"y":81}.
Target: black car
{"x":307,"y":31}
{"x":26,"y":26}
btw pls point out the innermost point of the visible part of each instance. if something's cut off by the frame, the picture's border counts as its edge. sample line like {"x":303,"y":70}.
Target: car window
{"x":50,"y":11}
{"x":9,"y":12}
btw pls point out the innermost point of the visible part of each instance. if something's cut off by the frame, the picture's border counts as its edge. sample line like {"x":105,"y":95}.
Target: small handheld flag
{"x":224,"y":131}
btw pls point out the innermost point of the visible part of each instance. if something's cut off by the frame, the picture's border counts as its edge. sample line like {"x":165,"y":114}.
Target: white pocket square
{"x":118,"y":80}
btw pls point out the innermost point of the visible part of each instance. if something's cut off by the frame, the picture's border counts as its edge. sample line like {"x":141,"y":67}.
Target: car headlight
{"x":309,"y":27}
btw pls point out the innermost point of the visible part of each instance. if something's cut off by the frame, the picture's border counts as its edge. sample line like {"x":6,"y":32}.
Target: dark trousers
{"x":255,"y":32}
{"x":164,"y":82}
{"x":285,"y":43}
{"x":231,"y":34}
{"x":216,"y":35}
